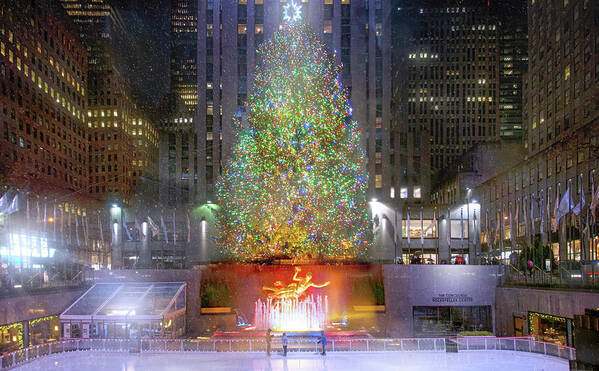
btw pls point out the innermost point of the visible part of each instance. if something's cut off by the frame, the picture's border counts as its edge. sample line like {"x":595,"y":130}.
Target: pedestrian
{"x":323,"y":341}
{"x":268,"y":341}
{"x":284,"y":342}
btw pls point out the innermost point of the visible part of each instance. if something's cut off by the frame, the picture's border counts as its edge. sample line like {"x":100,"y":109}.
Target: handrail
{"x":21,"y":356}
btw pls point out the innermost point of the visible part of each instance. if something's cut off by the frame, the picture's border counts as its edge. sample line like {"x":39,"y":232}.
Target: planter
{"x":369,"y":308}
{"x":215,"y":310}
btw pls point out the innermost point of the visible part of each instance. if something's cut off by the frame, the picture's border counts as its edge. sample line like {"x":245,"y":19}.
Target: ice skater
{"x":323,"y":341}
{"x":268,"y":341}
{"x":284,"y":342}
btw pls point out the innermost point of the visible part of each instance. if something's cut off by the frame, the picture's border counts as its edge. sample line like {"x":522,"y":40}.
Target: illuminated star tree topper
{"x":295,"y":186}
{"x":292,"y":12}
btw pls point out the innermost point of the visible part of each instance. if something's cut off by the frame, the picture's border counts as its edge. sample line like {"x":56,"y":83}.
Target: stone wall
{"x":407,"y":286}
{"x":518,"y":301}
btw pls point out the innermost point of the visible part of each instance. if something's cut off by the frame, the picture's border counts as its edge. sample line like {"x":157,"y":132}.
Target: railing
{"x":522,"y":344}
{"x":574,"y":275}
{"x":19,"y":357}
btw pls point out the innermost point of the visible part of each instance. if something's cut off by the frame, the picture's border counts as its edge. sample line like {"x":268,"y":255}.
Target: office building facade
{"x":228,"y":35}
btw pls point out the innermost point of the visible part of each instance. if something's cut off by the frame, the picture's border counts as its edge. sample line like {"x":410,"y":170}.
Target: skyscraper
{"x":44,"y":98}
{"x":117,"y":151}
{"x":184,"y":30}
{"x":228,"y":35}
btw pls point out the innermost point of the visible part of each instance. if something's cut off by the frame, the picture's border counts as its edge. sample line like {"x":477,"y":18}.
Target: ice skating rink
{"x":346,"y":361}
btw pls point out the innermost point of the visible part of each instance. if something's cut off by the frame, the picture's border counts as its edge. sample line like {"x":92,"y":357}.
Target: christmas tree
{"x":296,"y":184}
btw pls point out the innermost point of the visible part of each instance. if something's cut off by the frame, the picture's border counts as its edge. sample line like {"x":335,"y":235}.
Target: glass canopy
{"x":145,"y":300}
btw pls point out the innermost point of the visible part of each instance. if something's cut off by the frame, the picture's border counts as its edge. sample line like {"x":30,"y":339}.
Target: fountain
{"x":287,"y":308}
{"x":291,"y":314}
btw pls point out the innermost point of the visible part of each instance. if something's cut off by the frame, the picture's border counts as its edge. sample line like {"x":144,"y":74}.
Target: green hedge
{"x":476,"y":333}
{"x":368,"y":291}
{"x":215,"y":294}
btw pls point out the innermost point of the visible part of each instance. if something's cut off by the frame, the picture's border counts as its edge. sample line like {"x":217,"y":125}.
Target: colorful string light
{"x":296,"y":184}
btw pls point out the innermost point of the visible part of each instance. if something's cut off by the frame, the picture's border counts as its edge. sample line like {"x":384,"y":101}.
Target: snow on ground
{"x":346,"y":361}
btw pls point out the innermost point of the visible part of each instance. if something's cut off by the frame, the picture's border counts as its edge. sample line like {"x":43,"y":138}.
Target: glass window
{"x":417,"y":192}
{"x":403,"y":192}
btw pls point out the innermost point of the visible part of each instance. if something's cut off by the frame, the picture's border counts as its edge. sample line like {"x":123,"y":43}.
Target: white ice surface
{"x":379,"y":361}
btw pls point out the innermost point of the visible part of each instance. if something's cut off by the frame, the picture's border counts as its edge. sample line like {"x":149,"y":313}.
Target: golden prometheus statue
{"x":295,"y":289}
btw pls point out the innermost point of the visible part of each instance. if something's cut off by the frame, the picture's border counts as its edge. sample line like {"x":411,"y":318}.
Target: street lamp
{"x":382,"y":209}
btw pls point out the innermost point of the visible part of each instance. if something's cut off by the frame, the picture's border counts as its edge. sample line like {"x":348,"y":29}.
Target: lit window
{"x":403,"y":192}
{"x":378,"y":180}
{"x":567,"y":72}
{"x":392,"y":192}
{"x":417,"y":192}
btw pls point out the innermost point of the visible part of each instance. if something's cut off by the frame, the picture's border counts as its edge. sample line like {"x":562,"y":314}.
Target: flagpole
{"x":592,"y":227}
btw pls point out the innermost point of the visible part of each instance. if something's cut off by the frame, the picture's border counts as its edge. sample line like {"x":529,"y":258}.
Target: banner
{"x":101,"y":231}
{"x":126,"y":228}
{"x":421,"y":228}
{"x":408,"y":231}
{"x":164,"y":229}
{"x":188,"y":228}
{"x":174,"y":229}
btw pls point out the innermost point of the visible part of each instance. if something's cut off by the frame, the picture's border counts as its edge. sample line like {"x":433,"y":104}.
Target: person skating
{"x":323,"y":341}
{"x":284,"y":342}
{"x":268,"y":341}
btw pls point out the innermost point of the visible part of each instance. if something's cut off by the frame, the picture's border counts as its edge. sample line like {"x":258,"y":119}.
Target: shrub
{"x":215,"y":294}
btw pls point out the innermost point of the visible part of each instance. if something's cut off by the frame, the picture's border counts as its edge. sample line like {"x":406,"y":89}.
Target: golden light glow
{"x":295,"y":289}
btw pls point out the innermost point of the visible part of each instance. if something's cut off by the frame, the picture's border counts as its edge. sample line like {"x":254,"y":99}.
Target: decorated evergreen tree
{"x":296,"y":184}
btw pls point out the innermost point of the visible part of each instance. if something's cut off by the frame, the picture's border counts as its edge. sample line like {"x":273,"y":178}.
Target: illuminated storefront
{"x":551,"y":329}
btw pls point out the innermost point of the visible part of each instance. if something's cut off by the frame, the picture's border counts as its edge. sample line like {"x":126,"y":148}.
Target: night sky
{"x":147,"y":22}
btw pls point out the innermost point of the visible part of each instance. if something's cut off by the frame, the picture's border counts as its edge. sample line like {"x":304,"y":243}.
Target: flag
{"x":564,"y":206}
{"x":55,"y":221}
{"x":101,"y":231}
{"x":594,"y":201}
{"x":153,"y":227}
{"x":548,"y":207}
{"x":448,"y":234}
{"x":461,"y":223}
{"x":555,"y":209}
{"x":126,"y":228}
{"x":86,"y":229}
{"x":174,"y":230}
{"x":525,"y":215}
{"x":532,"y":216}
{"x":62,"y":222}
{"x":77,"y":228}
{"x":27,"y":212}
{"x":542,"y":210}
{"x":512,"y":231}
{"x":408,"y":226}
{"x":487,"y":227}
{"x":69,"y":223}
{"x":474,"y":227}
{"x":578,"y":208}
{"x":421,"y":228}
{"x":501,"y":229}
{"x":188,"y":228}
{"x":164,"y":229}
{"x":45,"y":215}
{"x":6,"y":199}
{"x":14,"y":205}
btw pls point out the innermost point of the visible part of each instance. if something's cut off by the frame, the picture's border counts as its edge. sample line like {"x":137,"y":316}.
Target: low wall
{"x":518,"y":301}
